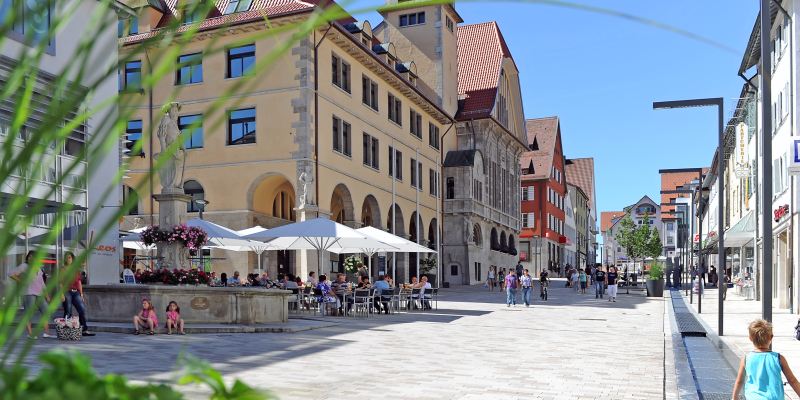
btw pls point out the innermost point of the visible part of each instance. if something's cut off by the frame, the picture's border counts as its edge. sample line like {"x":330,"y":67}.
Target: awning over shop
{"x":741,"y":232}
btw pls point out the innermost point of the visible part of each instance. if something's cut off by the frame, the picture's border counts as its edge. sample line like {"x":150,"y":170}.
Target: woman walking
{"x":611,"y":281}
{"x":511,"y":284}
{"x":490,"y":278}
{"x":501,"y":277}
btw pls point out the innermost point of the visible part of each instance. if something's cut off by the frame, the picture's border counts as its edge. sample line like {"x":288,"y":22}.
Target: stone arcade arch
{"x":272,"y":200}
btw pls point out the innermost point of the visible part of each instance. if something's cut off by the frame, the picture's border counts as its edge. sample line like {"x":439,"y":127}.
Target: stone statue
{"x":168,"y":133}
{"x":305,"y":179}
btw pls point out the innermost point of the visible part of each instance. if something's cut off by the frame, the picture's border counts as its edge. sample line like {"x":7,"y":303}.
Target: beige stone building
{"x":361,"y":111}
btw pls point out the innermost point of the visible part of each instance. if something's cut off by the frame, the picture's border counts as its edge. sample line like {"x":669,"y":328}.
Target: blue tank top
{"x":764,"y":381}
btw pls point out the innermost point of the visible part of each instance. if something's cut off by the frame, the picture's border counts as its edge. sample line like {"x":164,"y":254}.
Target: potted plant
{"x":351,"y":266}
{"x":655,"y":281}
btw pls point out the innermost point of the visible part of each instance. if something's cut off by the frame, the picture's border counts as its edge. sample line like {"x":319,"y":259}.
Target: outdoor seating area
{"x":350,"y":301}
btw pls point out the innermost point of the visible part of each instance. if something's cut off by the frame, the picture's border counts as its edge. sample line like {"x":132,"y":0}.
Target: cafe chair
{"x":361,"y":302}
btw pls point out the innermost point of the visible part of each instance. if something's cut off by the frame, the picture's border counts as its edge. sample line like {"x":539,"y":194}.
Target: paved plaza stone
{"x":472,"y":347}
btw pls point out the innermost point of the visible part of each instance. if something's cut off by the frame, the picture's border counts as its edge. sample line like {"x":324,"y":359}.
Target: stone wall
{"x":199,"y":304}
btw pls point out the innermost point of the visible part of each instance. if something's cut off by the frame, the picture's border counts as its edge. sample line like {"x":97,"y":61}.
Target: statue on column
{"x":168,"y":133}
{"x":305,"y":179}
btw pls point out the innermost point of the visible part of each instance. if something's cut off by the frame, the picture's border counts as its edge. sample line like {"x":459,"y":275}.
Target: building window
{"x":130,"y":196}
{"x":433,"y":135}
{"x":415,"y":121}
{"x":370,"y":150}
{"x":449,"y":23}
{"x":341,"y":136}
{"x":193,"y":188}
{"x":412,"y":19}
{"x":395,"y":110}
{"x":451,"y":188}
{"x":238,"y":6}
{"x":133,"y":133}
{"x":241,"y":60}
{"x":125,"y":27}
{"x":369,"y":93}
{"x":416,"y":174}
{"x":191,"y":127}
{"x":133,"y":75}
{"x":242,"y":126}
{"x":433,"y":182}
{"x":528,"y":193}
{"x":190,"y":69}
{"x":395,"y":163}
{"x":340,"y":73}
{"x":670,"y":226}
{"x":191,"y":15}
{"x":32,"y":20}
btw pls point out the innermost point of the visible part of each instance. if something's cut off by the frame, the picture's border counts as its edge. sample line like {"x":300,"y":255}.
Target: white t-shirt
{"x":36,"y":286}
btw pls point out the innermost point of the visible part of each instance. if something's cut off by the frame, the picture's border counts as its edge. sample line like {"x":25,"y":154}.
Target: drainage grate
{"x":688,"y":325}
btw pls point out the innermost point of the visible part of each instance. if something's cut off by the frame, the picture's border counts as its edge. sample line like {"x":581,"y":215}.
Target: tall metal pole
{"x":699,"y":258}
{"x":721,"y":286}
{"x":765,"y":180}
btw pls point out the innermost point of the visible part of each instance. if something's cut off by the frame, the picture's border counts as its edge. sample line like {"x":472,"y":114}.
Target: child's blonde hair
{"x":760,"y":333}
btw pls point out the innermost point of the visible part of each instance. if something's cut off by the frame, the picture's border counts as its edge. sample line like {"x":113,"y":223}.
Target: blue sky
{"x":600,"y":75}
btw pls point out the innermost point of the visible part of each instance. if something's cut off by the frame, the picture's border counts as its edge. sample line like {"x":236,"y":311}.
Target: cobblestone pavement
{"x":472,"y":347}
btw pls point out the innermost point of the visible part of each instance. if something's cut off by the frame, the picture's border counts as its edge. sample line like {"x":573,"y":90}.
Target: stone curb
{"x":728,"y":353}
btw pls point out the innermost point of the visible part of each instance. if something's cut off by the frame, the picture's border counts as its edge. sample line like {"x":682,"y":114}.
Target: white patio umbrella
{"x":317,"y":234}
{"x":393,"y":243}
{"x":255,"y":246}
{"x":133,"y":240}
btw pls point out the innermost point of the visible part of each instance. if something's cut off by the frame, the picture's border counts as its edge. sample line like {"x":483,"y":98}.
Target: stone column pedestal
{"x":170,"y":208}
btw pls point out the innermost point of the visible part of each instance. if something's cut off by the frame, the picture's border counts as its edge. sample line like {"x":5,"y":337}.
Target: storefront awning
{"x":742,"y":232}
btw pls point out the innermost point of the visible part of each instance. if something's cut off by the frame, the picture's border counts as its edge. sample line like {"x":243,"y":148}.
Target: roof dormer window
{"x":238,"y":6}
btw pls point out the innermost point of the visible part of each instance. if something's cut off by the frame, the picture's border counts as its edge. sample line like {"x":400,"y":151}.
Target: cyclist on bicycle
{"x":544,"y":281}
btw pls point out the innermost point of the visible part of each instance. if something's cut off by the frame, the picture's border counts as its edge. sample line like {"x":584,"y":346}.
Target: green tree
{"x":653,"y":246}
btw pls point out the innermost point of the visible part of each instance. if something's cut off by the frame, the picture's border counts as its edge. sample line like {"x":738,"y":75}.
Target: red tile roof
{"x":671,"y":180}
{"x":607,"y":218}
{"x":545,"y":132}
{"x":481,"y":50}
{"x":580,"y":172}
{"x":258,"y":11}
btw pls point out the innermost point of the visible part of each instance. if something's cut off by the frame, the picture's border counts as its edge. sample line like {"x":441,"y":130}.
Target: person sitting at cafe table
{"x":290,"y":283}
{"x":425,"y":292}
{"x":235,"y":280}
{"x":363,"y":283}
{"x":381,"y":284}
{"x":328,"y":295}
{"x":312,"y":279}
{"x":263,"y":279}
{"x":223,"y":280}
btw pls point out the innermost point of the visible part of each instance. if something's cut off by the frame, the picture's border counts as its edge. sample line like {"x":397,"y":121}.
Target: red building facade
{"x":544,"y":190}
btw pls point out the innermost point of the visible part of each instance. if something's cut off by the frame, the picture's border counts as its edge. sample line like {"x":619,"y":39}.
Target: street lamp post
{"x":765,"y":183}
{"x":715,"y":102}
{"x":202,"y":203}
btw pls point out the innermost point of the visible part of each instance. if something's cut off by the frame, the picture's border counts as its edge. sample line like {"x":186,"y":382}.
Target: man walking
{"x":518,"y":269}
{"x":599,"y":282}
{"x":511,"y":283}
{"x":527,"y":285}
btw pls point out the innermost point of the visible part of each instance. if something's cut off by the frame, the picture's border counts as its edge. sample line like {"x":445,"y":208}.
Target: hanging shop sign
{"x":742,"y":166}
{"x":794,"y":160}
{"x":781,"y":212}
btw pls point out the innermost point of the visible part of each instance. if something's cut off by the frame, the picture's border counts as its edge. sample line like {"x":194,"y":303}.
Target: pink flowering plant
{"x":193,"y":238}
{"x":73,"y":322}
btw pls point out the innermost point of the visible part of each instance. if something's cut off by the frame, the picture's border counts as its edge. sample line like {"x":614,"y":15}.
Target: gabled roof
{"x":580,"y":172}
{"x":481,"y":51}
{"x":259,"y":10}
{"x":545,"y":132}
{"x":608,"y":218}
